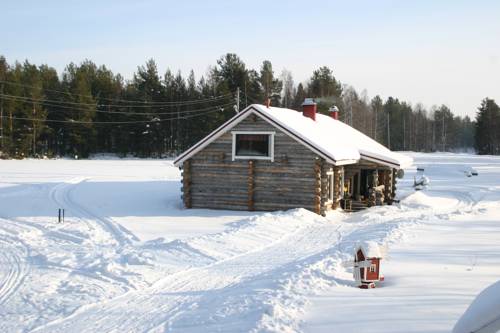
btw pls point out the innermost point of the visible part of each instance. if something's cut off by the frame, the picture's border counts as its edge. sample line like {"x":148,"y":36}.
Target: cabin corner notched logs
{"x":186,"y":184}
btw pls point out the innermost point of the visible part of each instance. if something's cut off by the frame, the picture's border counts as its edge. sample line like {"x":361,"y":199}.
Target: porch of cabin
{"x":367,"y":184}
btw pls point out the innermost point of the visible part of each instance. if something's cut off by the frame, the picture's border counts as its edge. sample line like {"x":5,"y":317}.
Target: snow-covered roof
{"x":335,"y":141}
{"x":370,"y":249}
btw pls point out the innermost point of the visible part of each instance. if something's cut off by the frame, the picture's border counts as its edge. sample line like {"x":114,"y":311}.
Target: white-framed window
{"x":330,"y":186}
{"x":254,"y":145}
{"x":373,"y":268}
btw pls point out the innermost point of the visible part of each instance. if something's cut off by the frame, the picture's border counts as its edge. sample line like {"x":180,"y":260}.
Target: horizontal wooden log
{"x":228,"y":191}
{"x":218,"y":165}
{"x":288,"y":192}
{"x":207,"y":178}
{"x":280,"y":206}
{"x":225,"y":201}
{"x":221,"y":198}
{"x":217,"y":206}
{"x":260,"y":182}
{"x":282,"y":201}
{"x":268,"y":170}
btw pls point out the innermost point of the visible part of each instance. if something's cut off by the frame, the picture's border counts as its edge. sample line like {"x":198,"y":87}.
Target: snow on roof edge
{"x":209,"y":138}
{"x":370,"y":249}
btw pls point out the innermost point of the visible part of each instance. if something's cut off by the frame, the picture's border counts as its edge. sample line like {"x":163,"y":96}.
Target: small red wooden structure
{"x":367,"y":258}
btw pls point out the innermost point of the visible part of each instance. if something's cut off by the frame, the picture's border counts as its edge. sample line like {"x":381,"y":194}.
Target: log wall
{"x":296,"y":178}
{"x":292,"y":180}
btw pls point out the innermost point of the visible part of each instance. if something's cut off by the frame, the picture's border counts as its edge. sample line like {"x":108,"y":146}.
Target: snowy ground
{"x":129,"y":258}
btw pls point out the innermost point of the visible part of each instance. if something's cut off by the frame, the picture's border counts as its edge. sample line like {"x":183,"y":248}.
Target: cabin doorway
{"x":355,"y":190}
{"x":366,"y":182}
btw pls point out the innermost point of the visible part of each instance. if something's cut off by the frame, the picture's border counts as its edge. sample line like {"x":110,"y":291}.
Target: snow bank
{"x":483,"y":315}
{"x":421,"y":199}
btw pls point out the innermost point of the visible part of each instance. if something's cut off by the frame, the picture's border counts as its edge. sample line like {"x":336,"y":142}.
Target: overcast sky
{"x":434,"y":52}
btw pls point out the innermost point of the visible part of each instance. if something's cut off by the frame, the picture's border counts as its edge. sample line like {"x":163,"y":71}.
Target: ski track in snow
{"x":18,"y":237}
{"x":61,"y":195}
{"x":13,"y":265}
{"x":172,"y":296}
{"x":254,"y":275}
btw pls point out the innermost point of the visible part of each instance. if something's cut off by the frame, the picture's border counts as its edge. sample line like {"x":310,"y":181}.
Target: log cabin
{"x":269,"y":158}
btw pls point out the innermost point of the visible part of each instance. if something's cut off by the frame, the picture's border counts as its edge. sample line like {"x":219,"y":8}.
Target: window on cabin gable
{"x":253,"y":145}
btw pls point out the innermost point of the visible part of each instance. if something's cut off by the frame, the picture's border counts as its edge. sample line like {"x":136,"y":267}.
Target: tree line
{"x":88,"y":109}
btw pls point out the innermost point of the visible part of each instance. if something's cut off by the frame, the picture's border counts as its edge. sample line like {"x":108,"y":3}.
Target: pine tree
{"x":299,"y":97}
{"x":324,"y":84}
{"x":80,"y":131}
{"x":377,"y":107}
{"x":4,"y":68}
{"x":271,"y":86}
{"x":487,"y":137}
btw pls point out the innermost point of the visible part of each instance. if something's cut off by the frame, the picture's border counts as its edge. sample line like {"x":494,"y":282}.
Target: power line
{"x":118,"y":99}
{"x":252,"y":99}
{"x":157,"y":120}
{"x":71,"y":108}
{"x":167,"y":104}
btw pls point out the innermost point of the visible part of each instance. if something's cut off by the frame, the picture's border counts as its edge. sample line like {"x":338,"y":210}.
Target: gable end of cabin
{"x":253,"y":166}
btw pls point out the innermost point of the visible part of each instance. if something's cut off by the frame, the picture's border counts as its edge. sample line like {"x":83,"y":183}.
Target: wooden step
{"x":354,"y":206}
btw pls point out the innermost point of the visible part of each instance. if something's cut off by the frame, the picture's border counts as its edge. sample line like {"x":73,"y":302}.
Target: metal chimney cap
{"x":308,"y":101}
{"x":333,"y":108}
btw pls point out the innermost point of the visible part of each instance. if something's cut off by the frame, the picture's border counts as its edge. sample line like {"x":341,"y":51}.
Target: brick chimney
{"x":309,"y":108}
{"x":334,"y":112}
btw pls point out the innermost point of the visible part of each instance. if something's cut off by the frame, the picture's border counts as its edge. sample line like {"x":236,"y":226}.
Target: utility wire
{"x":72,"y":108}
{"x":252,"y":99}
{"x":174,"y":104}
{"x":157,"y":120}
{"x":195,"y":101}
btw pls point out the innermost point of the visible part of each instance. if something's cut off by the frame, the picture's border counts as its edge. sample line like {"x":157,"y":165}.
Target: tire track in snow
{"x":174,"y":295}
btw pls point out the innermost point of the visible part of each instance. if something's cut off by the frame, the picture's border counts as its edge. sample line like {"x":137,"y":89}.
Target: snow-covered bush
{"x":483,"y":315}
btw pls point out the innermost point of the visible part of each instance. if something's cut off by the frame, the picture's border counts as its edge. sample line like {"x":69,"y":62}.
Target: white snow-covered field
{"x":129,"y":258}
